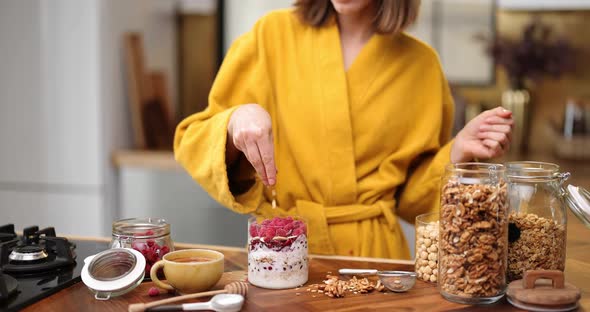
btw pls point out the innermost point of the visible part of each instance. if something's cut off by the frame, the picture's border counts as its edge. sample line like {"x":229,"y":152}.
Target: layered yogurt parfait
{"x":277,"y":253}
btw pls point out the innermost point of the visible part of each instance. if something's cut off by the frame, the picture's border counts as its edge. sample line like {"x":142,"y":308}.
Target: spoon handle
{"x":166,"y":308}
{"x":357,"y":272}
{"x":197,"y":306}
{"x":140,"y":307}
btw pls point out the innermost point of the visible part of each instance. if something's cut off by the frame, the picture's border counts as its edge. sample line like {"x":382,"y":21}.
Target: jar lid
{"x":113,"y":272}
{"x":543,"y":290}
{"x":578,"y":200}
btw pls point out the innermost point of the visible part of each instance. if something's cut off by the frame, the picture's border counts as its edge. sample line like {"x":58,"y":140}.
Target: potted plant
{"x":526,"y":60}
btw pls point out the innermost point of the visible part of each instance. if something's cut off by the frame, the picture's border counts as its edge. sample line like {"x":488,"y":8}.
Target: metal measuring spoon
{"x":220,"y":303}
{"x":396,"y":281}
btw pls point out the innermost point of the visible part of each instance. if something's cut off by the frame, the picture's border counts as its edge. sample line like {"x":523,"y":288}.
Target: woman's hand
{"x":485,"y":136}
{"x":250,"y":131}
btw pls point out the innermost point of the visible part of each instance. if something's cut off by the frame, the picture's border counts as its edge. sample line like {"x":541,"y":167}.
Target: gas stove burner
{"x":27,"y":253}
{"x":38,"y":251}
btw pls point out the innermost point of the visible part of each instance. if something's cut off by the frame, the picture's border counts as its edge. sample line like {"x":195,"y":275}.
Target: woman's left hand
{"x":485,"y":136}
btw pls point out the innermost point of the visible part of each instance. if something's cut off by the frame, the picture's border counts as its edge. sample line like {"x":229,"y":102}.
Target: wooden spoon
{"x":240,"y":288}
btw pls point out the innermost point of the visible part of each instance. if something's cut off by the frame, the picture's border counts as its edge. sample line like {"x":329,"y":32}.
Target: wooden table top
{"x":423,"y":297}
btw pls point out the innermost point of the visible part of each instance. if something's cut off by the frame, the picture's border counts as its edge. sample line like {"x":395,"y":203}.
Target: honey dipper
{"x":240,"y":288}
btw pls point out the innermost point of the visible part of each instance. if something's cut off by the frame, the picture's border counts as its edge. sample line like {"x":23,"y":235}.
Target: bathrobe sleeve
{"x":421,"y":192}
{"x":200,"y":139}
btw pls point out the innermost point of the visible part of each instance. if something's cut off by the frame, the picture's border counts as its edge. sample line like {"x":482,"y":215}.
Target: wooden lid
{"x":543,"y":288}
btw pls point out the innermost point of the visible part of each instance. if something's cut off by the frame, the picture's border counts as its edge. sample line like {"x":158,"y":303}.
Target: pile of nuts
{"x":334,"y":287}
{"x":535,"y":243}
{"x":473,"y":241}
{"x":427,"y":251}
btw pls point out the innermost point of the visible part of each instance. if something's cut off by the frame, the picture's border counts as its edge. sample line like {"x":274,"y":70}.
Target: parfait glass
{"x":277,"y":252}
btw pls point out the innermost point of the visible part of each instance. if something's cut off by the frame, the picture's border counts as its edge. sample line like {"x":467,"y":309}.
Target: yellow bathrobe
{"x":355,"y":149}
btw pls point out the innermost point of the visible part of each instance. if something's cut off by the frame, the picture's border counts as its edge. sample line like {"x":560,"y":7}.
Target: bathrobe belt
{"x":318,"y":218}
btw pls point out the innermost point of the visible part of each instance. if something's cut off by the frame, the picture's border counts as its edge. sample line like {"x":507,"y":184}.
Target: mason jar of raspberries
{"x":277,"y":252}
{"x":150,"y":236}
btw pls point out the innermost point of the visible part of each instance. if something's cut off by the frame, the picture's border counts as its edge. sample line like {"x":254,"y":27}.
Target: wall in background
{"x":63,"y":106}
{"x":240,"y":16}
{"x":549,"y":96}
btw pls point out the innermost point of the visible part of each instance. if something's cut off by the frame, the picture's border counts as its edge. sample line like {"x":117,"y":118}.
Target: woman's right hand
{"x":250,"y":131}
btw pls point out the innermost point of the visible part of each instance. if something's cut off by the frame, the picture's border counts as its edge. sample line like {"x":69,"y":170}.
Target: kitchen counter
{"x":423,"y":297}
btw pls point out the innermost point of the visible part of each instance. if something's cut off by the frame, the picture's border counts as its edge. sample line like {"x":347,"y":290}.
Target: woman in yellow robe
{"x":359,"y":134}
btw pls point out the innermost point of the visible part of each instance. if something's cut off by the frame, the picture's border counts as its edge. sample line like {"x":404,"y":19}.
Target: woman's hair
{"x":391,"y":16}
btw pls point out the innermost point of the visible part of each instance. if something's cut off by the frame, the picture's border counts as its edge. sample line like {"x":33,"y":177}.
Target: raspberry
{"x":281,"y":232}
{"x":254,"y":229}
{"x":164,"y":250}
{"x":153,"y":292}
{"x":270,"y":231}
{"x":289,"y":226}
{"x":139,"y":246}
{"x":152,"y":257}
{"x":266,"y":222}
{"x":297,"y":232}
{"x":151,"y":242}
{"x":149,"y":233}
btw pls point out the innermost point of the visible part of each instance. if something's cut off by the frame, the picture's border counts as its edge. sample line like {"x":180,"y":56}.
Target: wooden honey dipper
{"x":239,"y":288}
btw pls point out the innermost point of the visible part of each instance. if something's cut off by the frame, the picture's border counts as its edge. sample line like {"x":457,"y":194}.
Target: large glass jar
{"x":277,"y":252}
{"x":538,"y":217}
{"x":473,"y":230}
{"x":426,"y":263}
{"x":150,"y":236}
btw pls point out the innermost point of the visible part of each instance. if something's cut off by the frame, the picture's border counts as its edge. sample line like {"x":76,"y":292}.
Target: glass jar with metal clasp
{"x":538,"y":216}
{"x":149,"y":236}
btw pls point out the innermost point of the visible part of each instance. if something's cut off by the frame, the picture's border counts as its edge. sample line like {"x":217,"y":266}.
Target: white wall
{"x":63,"y":106}
{"x":241,"y":15}
{"x":155,"y":20}
{"x":49,"y":172}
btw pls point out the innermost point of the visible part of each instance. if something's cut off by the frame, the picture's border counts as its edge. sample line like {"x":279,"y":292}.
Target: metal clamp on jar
{"x":538,"y":216}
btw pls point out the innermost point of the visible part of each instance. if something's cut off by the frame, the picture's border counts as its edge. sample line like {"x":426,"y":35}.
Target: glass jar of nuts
{"x":473,"y":234}
{"x":538,"y":216}
{"x":426,"y":264}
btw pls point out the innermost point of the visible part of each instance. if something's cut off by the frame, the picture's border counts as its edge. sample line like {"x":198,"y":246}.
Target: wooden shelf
{"x":159,"y":160}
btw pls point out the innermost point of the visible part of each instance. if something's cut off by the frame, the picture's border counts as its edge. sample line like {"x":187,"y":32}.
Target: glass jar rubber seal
{"x":113,"y":272}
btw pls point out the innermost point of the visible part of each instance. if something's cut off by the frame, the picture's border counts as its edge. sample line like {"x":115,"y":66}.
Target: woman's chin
{"x":345,"y":7}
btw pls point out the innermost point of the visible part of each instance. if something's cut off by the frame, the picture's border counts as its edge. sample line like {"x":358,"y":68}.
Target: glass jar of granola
{"x":473,"y":234}
{"x":538,"y":216}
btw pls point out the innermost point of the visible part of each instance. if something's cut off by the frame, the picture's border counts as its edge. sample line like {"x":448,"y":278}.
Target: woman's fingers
{"x":500,"y":137}
{"x":503,"y":128}
{"x":495,"y":148}
{"x":265,"y":147}
{"x":254,"y":157}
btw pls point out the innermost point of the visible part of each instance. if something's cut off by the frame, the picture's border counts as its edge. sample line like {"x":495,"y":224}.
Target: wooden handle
{"x":530,"y":277}
{"x":140,"y":307}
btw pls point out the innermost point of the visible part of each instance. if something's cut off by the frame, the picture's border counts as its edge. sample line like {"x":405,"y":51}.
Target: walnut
{"x":473,"y":229}
{"x":333,"y":287}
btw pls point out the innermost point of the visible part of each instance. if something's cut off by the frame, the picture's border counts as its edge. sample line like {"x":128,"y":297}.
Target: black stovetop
{"x":42,"y":283}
